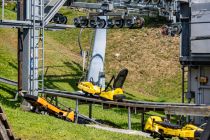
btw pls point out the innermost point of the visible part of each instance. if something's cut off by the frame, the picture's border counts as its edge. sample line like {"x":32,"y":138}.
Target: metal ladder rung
{"x":40,"y":90}
{"x":37,"y":71}
{"x":39,"y":68}
{"x":38,"y":48}
{"x":38,"y":36}
{"x":36,"y":16}
{"x":36,"y":58}
{"x":34,"y":79}
{"x":38,"y":5}
{"x":33,"y":90}
{"x":38,"y":20}
{"x":38,"y":80}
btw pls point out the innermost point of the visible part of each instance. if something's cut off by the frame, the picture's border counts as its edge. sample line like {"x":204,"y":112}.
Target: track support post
{"x":77,"y":111}
{"x":90,"y":110}
{"x":142,"y":121}
{"x":129,"y":118}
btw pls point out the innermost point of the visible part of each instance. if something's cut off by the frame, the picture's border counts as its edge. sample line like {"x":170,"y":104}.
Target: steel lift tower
{"x":33,"y":17}
{"x":97,"y":62}
{"x":195,"y":51}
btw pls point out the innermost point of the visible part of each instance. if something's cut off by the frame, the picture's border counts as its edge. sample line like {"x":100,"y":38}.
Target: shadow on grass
{"x":8,"y":95}
{"x":129,"y":96}
{"x":107,"y":122}
{"x":72,"y":78}
{"x":13,"y":65}
{"x":135,"y":126}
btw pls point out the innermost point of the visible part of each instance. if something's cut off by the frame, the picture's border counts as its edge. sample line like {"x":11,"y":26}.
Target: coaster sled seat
{"x":43,"y":104}
{"x":111,"y":92}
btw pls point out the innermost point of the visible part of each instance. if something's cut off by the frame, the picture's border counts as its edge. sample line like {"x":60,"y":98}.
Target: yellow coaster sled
{"x":111,"y":92}
{"x":43,"y":104}
{"x":164,"y":129}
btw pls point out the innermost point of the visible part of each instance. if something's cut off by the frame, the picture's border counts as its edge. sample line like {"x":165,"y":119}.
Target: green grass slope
{"x":152,"y":60}
{"x":153,"y":66}
{"x":31,"y":126}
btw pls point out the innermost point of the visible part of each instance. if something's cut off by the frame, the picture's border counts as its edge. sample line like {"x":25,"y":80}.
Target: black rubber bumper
{"x":198,"y":134}
{"x":30,"y":98}
{"x":118,"y":97}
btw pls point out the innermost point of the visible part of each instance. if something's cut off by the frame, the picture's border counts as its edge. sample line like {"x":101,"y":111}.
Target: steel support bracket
{"x":206,"y":133}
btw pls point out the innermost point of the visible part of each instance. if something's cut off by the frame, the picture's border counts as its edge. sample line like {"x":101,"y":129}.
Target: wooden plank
{"x":4,"y":120}
{"x":5,"y":129}
{"x":9,"y":132}
{"x":2,"y":117}
{"x":3,"y":132}
{"x":1,"y":110}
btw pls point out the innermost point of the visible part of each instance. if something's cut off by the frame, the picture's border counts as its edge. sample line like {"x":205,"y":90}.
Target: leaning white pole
{"x":96,"y":69}
{"x":2,"y":12}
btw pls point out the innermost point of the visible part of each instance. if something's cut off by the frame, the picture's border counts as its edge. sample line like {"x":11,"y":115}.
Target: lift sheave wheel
{"x":110,"y":23}
{"x":127,"y":1}
{"x":119,"y":22}
{"x":116,"y":91}
{"x":155,"y":1}
{"x":164,"y":129}
{"x":146,"y":1}
{"x":59,"y":19}
{"x":41,"y":103}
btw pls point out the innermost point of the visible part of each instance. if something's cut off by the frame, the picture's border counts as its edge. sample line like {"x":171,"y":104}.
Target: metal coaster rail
{"x":142,"y":106}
